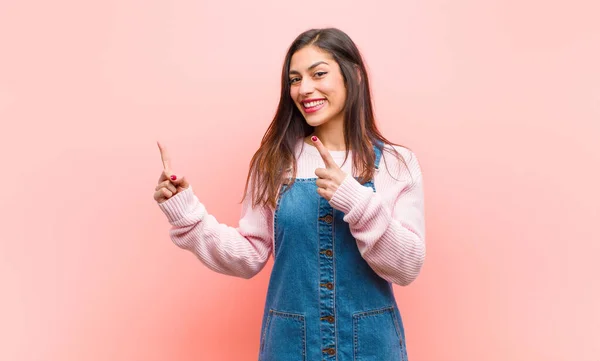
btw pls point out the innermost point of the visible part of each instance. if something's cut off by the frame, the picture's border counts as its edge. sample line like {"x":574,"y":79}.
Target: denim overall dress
{"x":324,"y":302}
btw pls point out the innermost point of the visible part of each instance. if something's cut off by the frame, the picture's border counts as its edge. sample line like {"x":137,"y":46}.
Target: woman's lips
{"x":313,"y":106}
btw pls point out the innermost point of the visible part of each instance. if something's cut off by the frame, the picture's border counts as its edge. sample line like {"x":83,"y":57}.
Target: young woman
{"x":338,"y":206}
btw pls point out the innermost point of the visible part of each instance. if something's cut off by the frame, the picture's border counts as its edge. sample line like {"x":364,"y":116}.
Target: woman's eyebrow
{"x":310,"y":67}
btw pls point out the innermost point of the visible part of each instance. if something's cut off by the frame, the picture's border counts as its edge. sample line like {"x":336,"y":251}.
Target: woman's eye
{"x":293,"y":80}
{"x":320,"y":73}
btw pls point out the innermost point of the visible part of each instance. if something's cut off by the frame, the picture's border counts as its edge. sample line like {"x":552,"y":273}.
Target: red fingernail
{"x":314,"y":139}
{"x":173,"y":177}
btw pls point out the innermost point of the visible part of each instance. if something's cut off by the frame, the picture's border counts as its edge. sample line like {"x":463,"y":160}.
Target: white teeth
{"x":313,"y":104}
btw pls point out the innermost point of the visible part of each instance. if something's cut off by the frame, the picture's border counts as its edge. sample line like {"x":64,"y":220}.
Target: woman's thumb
{"x":180,"y":182}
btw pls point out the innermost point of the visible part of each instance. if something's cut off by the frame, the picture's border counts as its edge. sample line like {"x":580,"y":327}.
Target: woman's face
{"x":317,"y":86}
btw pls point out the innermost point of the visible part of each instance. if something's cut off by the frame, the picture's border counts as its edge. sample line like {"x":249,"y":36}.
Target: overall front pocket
{"x":284,"y":337}
{"x":377,"y":336}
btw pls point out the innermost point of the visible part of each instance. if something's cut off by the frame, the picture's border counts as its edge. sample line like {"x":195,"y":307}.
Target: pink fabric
{"x":388,"y":224}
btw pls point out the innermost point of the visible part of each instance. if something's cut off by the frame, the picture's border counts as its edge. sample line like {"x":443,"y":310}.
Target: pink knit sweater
{"x":388,"y":224}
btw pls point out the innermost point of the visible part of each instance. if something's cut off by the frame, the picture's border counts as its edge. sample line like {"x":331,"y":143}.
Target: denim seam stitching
{"x":298,"y":317}
{"x":275,"y":220}
{"x":360,"y":315}
{"x":334,"y":311}
{"x":264,"y":339}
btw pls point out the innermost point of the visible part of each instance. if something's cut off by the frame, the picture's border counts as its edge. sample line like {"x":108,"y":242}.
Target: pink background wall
{"x":499,"y":99}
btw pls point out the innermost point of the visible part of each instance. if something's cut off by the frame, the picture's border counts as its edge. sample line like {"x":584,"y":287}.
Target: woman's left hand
{"x":330,"y":177}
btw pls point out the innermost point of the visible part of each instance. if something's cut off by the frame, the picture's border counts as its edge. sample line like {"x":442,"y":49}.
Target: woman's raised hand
{"x":168,"y":184}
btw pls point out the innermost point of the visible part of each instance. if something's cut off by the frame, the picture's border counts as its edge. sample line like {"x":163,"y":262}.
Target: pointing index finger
{"x":164,"y":156}
{"x":327,"y":158}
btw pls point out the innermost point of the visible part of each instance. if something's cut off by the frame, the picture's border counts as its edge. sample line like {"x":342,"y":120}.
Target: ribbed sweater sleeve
{"x":241,"y":252}
{"x":388,"y":224}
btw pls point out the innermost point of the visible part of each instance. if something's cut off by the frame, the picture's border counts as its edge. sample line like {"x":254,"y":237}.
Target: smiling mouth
{"x":313,"y":106}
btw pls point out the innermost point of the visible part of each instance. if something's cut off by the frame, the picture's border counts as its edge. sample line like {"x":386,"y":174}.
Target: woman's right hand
{"x":168,"y":183}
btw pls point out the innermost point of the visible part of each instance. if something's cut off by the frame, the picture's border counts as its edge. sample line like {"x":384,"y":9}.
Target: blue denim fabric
{"x":324,"y":302}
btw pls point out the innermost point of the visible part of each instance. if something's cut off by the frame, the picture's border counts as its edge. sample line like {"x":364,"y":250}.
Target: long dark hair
{"x":275,"y":155}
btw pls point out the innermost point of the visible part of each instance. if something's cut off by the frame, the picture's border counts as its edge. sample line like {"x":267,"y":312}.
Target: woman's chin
{"x":314,"y":121}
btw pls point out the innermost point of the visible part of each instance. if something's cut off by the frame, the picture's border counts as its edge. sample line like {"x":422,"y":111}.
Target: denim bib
{"x":324,"y":302}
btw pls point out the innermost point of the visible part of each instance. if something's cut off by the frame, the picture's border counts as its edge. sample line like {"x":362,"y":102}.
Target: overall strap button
{"x":328,"y":218}
{"x":328,"y":285}
{"x":329,"y":351}
{"x":329,"y":319}
{"x":328,"y":252}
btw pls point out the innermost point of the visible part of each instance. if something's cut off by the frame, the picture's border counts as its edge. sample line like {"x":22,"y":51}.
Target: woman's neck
{"x":332,"y":139}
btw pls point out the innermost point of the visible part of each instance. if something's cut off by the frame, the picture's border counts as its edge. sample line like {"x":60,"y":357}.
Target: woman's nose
{"x":306,"y":86}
